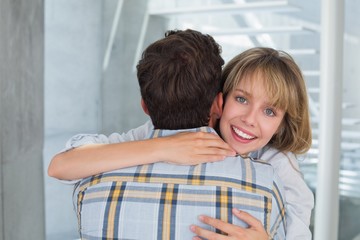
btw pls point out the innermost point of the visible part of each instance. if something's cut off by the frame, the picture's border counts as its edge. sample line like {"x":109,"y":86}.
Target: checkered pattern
{"x":161,"y":201}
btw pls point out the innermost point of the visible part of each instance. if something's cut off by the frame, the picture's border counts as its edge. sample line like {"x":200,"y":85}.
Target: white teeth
{"x":242,"y":134}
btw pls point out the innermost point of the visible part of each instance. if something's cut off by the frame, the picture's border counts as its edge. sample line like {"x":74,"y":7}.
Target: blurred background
{"x":84,"y":54}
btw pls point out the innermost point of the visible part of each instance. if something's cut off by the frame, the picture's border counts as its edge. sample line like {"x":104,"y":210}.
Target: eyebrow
{"x":243,"y":91}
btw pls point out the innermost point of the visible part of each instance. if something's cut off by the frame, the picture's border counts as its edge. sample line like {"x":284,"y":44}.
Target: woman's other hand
{"x":255,"y":231}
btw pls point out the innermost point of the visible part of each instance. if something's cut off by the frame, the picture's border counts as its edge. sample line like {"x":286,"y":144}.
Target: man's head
{"x":179,"y":78}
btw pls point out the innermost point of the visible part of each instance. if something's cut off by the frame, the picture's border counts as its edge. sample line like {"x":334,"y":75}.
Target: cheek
{"x":225,"y":113}
{"x":224,"y":127}
{"x":229,"y":110}
{"x":271,"y":128}
{"x":223,"y":121}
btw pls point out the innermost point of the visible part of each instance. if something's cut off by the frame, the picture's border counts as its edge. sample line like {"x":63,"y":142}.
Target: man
{"x":179,"y":78}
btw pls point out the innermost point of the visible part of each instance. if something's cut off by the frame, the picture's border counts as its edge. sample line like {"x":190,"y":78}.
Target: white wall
{"x":73,"y":48}
{"x":73,"y":65}
{"x":21,"y":120}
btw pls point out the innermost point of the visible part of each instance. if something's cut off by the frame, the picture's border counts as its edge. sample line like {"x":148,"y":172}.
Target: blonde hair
{"x":286,"y":88}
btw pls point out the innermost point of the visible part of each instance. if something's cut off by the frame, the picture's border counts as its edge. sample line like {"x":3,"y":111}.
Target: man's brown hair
{"x":179,"y":78}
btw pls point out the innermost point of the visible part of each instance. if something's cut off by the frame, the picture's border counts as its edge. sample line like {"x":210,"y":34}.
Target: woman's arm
{"x":183,"y":148}
{"x":298,"y":196}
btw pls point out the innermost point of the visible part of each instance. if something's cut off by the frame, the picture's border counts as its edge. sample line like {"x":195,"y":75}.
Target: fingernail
{"x":192,"y":228}
{"x":236,"y":210}
{"x":201,"y":218}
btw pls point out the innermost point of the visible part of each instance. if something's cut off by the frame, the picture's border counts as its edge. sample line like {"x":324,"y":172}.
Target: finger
{"x":210,"y":235}
{"x":199,"y":135}
{"x":209,"y":158}
{"x":216,"y":140}
{"x":196,"y":238}
{"x":209,"y":135}
{"x":206,"y":140}
{"x":206,"y":151}
{"x":198,"y":159}
{"x":218,"y":224}
{"x":210,"y":143}
{"x":246,"y":217}
{"x":205,"y":146}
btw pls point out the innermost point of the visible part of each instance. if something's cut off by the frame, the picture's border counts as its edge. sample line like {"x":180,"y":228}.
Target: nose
{"x":249,"y":117}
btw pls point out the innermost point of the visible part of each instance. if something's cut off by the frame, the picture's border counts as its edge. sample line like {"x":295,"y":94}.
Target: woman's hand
{"x":255,"y":231}
{"x":191,"y":148}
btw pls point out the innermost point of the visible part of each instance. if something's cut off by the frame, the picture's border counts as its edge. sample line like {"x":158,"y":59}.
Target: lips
{"x":242,"y":134}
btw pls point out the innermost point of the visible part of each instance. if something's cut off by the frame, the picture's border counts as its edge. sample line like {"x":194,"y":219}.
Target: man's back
{"x":161,"y":201}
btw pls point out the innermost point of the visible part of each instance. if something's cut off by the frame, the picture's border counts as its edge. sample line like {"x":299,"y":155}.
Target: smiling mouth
{"x":241,"y":134}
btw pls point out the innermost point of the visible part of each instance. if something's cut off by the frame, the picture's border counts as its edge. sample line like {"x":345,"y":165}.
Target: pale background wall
{"x":21,"y":119}
{"x":72,"y":95}
{"x":92,"y":100}
{"x":52,"y":86}
{"x":79,"y":97}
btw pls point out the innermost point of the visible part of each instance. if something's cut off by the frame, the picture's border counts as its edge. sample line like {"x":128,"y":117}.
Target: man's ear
{"x":144,"y":107}
{"x":216,"y":110}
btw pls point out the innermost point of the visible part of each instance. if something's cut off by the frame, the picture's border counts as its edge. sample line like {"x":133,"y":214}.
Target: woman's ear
{"x":144,"y":107}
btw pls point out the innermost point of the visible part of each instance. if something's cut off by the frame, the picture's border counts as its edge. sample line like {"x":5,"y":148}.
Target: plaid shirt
{"x":161,"y":201}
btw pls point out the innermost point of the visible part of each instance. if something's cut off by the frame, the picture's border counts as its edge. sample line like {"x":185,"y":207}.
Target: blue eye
{"x":241,"y":99}
{"x":269,"y":112}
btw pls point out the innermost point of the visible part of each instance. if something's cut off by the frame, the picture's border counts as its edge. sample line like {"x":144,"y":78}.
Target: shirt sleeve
{"x":79,"y":140}
{"x":298,"y":196}
{"x":139,"y":133}
{"x":277,"y":218}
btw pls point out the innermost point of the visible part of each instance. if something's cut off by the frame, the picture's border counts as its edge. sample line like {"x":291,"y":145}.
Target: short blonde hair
{"x":286,"y":88}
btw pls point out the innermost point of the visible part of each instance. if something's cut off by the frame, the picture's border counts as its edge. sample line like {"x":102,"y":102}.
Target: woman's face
{"x":248,"y":121}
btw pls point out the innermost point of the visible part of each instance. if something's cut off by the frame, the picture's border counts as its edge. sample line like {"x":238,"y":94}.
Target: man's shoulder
{"x":235,"y":170}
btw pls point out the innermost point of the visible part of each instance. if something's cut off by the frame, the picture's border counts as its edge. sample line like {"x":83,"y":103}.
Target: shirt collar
{"x":165,"y":132}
